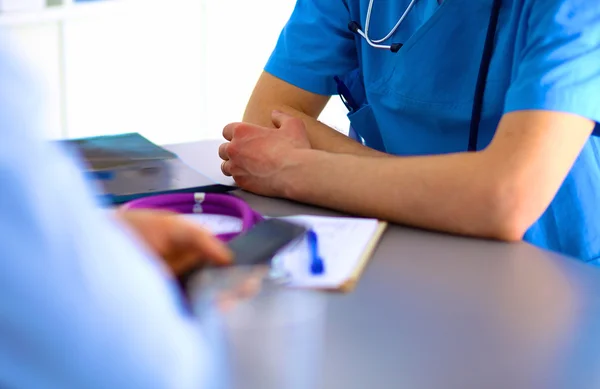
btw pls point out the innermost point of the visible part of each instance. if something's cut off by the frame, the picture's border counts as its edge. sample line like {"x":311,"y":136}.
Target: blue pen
{"x":317,"y":266}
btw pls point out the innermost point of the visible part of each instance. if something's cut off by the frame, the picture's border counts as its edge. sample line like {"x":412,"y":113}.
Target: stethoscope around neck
{"x":484,"y":67}
{"x":378,"y":43}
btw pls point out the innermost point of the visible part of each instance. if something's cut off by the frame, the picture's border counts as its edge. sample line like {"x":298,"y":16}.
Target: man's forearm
{"x":321,"y":136}
{"x":448,"y":193}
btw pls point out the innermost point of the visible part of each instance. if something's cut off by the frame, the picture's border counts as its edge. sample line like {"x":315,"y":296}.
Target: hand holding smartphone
{"x":256,"y":246}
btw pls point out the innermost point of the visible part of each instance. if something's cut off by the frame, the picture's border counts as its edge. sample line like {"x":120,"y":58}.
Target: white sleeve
{"x":82,"y":305}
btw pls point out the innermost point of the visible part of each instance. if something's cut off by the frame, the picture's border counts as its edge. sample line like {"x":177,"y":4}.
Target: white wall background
{"x":173,"y":70}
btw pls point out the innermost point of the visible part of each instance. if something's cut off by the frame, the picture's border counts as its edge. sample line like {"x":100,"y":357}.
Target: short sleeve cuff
{"x":300,"y":76}
{"x":577,"y":103}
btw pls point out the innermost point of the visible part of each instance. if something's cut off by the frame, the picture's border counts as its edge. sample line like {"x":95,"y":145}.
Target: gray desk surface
{"x":437,"y":311}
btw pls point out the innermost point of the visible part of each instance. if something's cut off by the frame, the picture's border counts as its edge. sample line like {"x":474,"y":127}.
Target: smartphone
{"x":256,"y":246}
{"x":260,"y":244}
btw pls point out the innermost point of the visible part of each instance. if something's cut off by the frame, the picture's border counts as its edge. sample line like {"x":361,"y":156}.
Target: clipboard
{"x":346,"y":245}
{"x":367,"y":254}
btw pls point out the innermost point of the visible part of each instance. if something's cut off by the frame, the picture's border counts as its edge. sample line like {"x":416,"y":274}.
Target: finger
{"x":226,"y":168}
{"x":280,"y":119}
{"x":212,"y":248}
{"x":228,"y":130}
{"x":223,"y":154}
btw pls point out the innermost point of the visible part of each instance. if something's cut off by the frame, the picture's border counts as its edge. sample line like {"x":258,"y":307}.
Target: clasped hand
{"x":259,"y":158}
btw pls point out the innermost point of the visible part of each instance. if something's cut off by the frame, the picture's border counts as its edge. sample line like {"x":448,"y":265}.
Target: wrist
{"x":298,"y":178}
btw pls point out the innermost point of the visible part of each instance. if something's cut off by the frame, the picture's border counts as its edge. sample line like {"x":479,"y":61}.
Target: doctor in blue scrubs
{"x":524,"y":73}
{"x":87,"y":298}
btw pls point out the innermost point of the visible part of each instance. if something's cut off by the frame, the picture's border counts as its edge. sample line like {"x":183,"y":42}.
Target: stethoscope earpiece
{"x":395,"y":47}
{"x":353,"y":26}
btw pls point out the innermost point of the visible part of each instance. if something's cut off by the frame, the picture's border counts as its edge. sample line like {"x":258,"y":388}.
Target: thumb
{"x":280,"y":118}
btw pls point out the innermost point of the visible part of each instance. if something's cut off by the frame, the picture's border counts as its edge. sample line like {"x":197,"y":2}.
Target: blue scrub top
{"x":420,"y":99}
{"x":82,"y":303}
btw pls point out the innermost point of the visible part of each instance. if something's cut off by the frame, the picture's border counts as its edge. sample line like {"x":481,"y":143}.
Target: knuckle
{"x":233,"y":151}
{"x":294,"y":121}
{"x":235,"y":130}
{"x":242,"y":129}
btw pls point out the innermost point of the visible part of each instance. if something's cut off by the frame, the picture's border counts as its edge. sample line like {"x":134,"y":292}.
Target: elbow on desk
{"x":509,"y":231}
{"x":512,"y":209}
